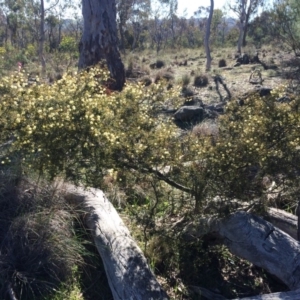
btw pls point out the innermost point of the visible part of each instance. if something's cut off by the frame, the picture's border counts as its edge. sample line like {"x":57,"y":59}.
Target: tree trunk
{"x":42,"y":38}
{"x":256,"y":240}
{"x":126,"y":268}
{"x":241,"y":26}
{"x":99,"y":40}
{"x":207,"y":36}
{"x":245,"y":31}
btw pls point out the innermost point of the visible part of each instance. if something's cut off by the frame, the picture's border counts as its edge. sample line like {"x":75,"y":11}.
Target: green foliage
{"x":185,"y":79}
{"x":232,"y":36}
{"x":31,"y":50}
{"x":286,"y":22}
{"x":68,"y":44}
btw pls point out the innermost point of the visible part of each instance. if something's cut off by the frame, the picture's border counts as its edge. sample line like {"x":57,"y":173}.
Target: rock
{"x":264,"y":91}
{"x":190,"y":114}
{"x":237,"y":64}
{"x":255,"y":81}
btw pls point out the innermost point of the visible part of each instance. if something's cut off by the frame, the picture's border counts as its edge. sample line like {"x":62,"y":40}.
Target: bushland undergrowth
{"x":78,"y":129}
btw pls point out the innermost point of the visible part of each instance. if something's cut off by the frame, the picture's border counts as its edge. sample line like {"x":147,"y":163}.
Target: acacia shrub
{"x":79,"y":129}
{"x":260,"y":138}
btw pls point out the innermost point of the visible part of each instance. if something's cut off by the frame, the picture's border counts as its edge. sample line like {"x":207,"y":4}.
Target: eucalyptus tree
{"x":171,"y":8}
{"x":207,"y":25}
{"x":245,"y":10}
{"x":207,"y":36}
{"x":132,"y":14}
{"x":99,"y":39}
{"x":14,"y":13}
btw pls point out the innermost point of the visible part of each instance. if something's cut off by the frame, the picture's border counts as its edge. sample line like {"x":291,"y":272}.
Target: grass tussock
{"x":41,"y":249}
{"x":204,"y":129}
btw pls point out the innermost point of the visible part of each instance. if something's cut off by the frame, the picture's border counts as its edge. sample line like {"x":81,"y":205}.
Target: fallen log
{"x":256,"y":240}
{"x":291,"y":295}
{"x":283,"y":220}
{"x":128,"y":273}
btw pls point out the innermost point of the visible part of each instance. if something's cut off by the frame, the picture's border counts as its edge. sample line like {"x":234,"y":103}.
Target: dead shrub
{"x":164,"y":76}
{"x":205,"y":129}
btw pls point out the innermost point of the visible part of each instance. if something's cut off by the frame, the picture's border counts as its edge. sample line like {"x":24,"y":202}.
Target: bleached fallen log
{"x":283,"y":220}
{"x":290,"y":295}
{"x":256,"y":240}
{"x":128,"y":273}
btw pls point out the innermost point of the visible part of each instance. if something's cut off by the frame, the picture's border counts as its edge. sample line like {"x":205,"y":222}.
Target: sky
{"x":192,"y":5}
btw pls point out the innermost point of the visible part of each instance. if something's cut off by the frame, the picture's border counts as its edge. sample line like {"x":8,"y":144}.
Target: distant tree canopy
{"x":286,"y":23}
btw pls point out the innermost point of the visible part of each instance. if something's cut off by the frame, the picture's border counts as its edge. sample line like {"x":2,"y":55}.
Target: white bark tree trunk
{"x":42,"y":38}
{"x":128,"y":273}
{"x":241,"y":26}
{"x":207,"y":36}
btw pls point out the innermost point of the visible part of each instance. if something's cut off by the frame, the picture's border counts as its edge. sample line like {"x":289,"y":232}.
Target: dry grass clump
{"x":201,"y":80}
{"x":204,"y":129}
{"x":136,"y":68}
{"x":39,"y":249}
{"x":185,"y":80}
{"x":164,"y":75}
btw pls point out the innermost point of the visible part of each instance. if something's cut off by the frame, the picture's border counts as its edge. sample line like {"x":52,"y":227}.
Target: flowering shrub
{"x":260,"y":138}
{"x":78,"y":128}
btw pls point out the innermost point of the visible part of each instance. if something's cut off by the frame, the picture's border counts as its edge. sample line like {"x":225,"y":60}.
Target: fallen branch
{"x":128,"y":273}
{"x":291,"y":295}
{"x":257,"y":241}
{"x":283,"y":220}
